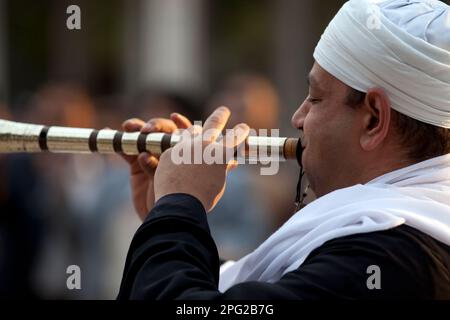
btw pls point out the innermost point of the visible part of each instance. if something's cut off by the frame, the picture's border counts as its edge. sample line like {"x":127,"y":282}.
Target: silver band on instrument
{"x":104,"y":138}
{"x":62,"y":139}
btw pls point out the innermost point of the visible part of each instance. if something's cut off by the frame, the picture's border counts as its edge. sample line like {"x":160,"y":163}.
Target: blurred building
{"x":3,"y":51}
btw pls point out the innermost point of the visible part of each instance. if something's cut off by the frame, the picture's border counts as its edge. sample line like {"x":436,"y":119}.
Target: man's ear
{"x":376,"y":119}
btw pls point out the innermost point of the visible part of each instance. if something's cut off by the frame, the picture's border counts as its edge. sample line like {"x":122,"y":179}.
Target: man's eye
{"x":313,"y":100}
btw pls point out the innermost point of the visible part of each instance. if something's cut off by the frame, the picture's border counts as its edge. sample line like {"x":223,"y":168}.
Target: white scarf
{"x":418,"y":196}
{"x":369,"y":45}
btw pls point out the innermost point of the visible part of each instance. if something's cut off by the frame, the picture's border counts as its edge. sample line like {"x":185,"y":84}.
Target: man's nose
{"x":298,"y":118}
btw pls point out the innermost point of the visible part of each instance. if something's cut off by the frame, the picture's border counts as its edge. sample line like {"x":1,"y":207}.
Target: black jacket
{"x":173,"y":256}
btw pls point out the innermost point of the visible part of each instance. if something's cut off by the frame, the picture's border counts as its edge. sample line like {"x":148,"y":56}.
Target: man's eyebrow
{"x":312,"y":81}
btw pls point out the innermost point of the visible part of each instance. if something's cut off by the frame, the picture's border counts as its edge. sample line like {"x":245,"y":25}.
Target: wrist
{"x":162,"y":196}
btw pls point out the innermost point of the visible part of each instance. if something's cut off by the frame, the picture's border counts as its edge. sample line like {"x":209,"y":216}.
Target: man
{"x":376,"y":153}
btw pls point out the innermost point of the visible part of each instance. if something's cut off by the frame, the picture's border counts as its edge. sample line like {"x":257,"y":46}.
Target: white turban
{"x":402,"y":46}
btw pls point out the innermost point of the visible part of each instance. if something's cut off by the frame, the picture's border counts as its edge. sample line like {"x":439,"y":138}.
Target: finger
{"x":128,"y":158}
{"x":195,"y":130}
{"x":159,"y":125}
{"x":215,"y":123}
{"x":192,"y":131}
{"x":236,"y":136}
{"x":180,"y":121}
{"x":148,"y":163}
{"x":190,"y":134}
{"x":132,"y":125}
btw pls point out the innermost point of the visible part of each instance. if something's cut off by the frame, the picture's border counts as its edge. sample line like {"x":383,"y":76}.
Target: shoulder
{"x":410,"y":263}
{"x":402,"y":241}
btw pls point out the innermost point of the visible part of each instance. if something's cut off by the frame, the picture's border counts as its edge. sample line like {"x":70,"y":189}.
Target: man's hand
{"x":143,"y":166}
{"x":206,"y":182}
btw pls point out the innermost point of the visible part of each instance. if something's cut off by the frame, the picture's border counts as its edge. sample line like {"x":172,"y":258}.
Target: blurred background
{"x":138,"y":58}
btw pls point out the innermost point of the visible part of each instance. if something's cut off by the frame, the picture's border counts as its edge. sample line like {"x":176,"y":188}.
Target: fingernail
{"x":224,"y":109}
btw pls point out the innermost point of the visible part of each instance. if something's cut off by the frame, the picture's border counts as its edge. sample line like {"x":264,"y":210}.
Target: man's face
{"x":331,"y":133}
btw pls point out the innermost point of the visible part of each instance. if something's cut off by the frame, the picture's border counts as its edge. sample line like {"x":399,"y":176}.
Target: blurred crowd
{"x":58,"y":210}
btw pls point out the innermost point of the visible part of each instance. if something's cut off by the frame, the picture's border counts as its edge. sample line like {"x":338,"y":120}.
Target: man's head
{"x":352,"y":137}
{"x":379,"y":95}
